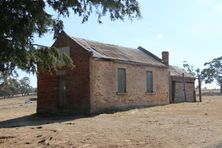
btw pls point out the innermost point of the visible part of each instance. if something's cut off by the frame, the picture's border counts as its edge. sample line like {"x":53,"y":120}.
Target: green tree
{"x":213,"y":72}
{"x":9,"y":86}
{"x":195,"y":72}
{"x":189,"y":68}
{"x":4,"y":85}
{"x":25,"y":86}
{"x":20,"y":20}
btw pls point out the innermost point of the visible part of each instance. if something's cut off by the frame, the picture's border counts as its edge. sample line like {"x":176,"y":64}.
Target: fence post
{"x":184,"y":89}
{"x":194,"y":96}
{"x":199,"y":86}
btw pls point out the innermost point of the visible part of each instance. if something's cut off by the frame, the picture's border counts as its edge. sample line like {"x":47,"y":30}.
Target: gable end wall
{"x":77,"y":83}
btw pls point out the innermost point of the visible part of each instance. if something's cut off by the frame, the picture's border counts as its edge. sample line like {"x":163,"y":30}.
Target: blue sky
{"x":191,"y":30}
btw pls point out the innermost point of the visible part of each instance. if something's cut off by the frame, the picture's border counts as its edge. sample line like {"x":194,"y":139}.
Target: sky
{"x":191,"y":30}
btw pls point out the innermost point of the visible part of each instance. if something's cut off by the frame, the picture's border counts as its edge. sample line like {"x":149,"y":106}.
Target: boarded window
{"x":65,"y":50}
{"x":149,"y":81}
{"x":121,"y":80}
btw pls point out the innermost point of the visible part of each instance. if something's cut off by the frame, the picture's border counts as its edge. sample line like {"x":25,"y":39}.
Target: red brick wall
{"x":47,"y":93}
{"x":77,"y":96}
{"x":165,"y":57}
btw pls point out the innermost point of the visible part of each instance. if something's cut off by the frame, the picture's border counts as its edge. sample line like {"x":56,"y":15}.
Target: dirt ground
{"x":175,"y":125}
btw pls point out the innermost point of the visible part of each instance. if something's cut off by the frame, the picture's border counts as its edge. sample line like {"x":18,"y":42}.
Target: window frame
{"x":148,"y":90}
{"x":121,"y":90}
{"x":65,"y":50}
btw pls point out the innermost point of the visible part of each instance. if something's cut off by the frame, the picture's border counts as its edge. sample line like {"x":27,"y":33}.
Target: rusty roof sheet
{"x":115,"y":52}
{"x":176,"y":71}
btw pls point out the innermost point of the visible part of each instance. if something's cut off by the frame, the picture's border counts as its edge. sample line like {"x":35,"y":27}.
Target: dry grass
{"x":174,"y":125}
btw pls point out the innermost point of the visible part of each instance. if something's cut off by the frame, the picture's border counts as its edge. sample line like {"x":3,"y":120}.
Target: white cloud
{"x":159,"y":36}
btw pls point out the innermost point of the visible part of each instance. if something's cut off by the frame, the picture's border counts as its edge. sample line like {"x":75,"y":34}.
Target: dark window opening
{"x":149,"y":81}
{"x":121,"y":80}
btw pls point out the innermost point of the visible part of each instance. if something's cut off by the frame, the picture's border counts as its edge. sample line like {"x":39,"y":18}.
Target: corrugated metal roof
{"x":115,"y":52}
{"x":176,"y":71}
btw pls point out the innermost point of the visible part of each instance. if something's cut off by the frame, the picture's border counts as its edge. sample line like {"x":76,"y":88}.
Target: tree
{"x":9,"y":86}
{"x":25,"y":86}
{"x":188,"y":68}
{"x":213,"y":72}
{"x":4,"y":85}
{"x":22,"y":19}
{"x":195,"y":72}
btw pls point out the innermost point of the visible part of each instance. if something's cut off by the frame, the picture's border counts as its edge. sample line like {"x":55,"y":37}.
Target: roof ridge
{"x":100,"y":50}
{"x":110,"y":44}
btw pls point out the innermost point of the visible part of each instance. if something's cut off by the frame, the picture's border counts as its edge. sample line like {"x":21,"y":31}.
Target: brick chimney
{"x":165,"y":57}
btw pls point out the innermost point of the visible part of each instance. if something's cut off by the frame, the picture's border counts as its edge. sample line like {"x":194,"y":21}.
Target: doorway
{"x":61,"y":92}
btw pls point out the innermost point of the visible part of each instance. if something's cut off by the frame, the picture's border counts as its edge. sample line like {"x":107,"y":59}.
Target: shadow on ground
{"x":41,"y":119}
{"x":38,"y":119}
{"x":35,"y":120}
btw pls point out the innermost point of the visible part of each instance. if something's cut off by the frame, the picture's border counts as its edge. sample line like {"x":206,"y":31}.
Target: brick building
{"x":106,"y":77}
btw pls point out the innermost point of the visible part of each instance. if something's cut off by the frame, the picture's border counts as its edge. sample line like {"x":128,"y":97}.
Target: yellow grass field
{"x":170,"y":126}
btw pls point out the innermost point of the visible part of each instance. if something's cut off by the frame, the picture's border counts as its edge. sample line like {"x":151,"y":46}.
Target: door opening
{"x":61,"y":92}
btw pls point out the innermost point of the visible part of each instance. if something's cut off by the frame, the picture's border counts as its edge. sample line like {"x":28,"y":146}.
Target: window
{"x":121,"y":80}
{"x":65,"y":50}
{"x":149,"y":81}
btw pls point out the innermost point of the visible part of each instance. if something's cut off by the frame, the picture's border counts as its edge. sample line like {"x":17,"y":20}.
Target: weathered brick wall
{"x":77,"y":95}
{"x":104,"y":81}
{"x":165,"y":57}
{"x":46,"y":93}
{"x":179,"y":92}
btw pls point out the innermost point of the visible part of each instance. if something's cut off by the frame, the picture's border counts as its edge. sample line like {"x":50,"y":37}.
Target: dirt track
{"x":175,"y":125}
